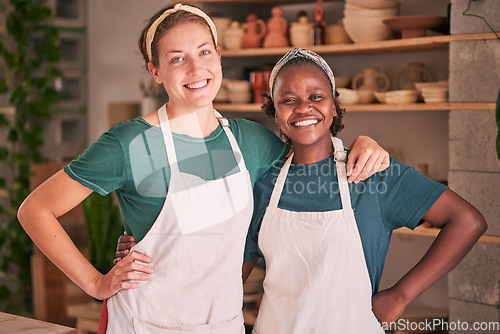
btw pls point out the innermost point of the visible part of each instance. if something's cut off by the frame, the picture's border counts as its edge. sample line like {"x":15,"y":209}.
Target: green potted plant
{"x":29,"y":52}
{"x":104,"y":227}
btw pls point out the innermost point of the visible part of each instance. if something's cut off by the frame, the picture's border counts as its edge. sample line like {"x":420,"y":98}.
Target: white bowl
{"x":401,"y":96}
{"x":374,"y":4}
{"x":435,"y":90}
{"x":366,"y":29}
{"x":435,"y":99}
{"x":384,"y":12}
{"x":420,"y":85}
{"x":347,"y":96}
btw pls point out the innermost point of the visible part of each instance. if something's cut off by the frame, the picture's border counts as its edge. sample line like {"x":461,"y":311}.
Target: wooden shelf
{"x":408,"y":44}
{"x":374,"y":107}
{"x":433,"y":232}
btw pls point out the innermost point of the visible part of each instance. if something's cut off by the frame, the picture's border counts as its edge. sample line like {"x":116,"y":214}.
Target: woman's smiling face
{"x":304,"y":104}
{"x":189,"y":65}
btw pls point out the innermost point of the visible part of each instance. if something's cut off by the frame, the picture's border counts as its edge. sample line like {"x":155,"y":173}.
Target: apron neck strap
{"x":340,"y":157}
{"x":169,"y":140}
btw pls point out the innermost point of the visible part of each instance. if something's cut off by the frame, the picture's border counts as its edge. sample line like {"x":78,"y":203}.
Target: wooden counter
{"x":10,"y":323}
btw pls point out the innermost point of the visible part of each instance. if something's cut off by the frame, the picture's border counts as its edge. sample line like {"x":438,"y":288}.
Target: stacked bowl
{"x":363,"y":19}
{"x":433,"y":92}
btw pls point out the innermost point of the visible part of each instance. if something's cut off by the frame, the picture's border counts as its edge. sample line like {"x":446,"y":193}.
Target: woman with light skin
{"x":183,"y":176}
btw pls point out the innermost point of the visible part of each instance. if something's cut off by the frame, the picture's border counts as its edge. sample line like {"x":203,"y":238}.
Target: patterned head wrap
{"x":152,"y":29}
{"x":294,"y":53}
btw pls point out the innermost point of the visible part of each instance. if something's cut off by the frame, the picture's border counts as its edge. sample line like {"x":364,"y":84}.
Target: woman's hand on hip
{"x":366,"y":158}
{"x":125,"y":243}
{"x":126,"y":274}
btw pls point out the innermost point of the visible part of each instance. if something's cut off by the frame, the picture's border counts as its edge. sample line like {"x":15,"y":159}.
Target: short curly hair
{"x":269,"y":109}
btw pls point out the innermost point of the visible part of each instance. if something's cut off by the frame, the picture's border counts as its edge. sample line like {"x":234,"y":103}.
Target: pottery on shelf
{"x":403,"y":96}
{"x":414,"y":25}
{"x":336,"y":34}
{"x":301,"y":32}
{"x":239,"y":91}
{"x":255,"y":30}
{"x":370,"y":82}
{"x":276,"y":30}
{"x":233,"y":36}
{"x":347,"y":96}
{"x":221,"y":24}
{"x":415,"y":72}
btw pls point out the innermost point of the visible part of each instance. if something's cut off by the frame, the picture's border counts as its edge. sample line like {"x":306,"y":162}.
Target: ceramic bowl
{"x":366,"y":29}
{"x":435,"y":99}
{"x":420,"y":85}
{"x":240,"y":96}
{"x":384,"y":12}
{"x":374,"y":4}
{"x":401,"y":96}
{"x":414,"y":25}
{"x":342,"y":82}
{"x":380,"y":96}
{"x":347,"y":96}
{"x":366,"y":96}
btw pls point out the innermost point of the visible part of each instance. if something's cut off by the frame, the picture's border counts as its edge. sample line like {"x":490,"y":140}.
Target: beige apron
{"x":316,"y":276}
{"x":197,"y":254}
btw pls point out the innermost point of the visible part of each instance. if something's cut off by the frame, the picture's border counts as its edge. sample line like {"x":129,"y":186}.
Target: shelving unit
{"x":373,"y":107}
{"x":395,"y":45}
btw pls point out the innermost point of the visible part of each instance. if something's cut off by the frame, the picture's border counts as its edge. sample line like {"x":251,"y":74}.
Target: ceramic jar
{"x":335,"y":34}
{"x":233,"y":36}
{"x":370,"y":78}
{"x":415,"y":72}
{"x":255,"y":30}
{"x":221,"y":24}
{"x":301,"y":32}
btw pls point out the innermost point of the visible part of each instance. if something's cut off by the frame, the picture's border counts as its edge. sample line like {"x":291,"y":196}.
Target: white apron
{"x":196,"y":245}
{"x":316,"y":276}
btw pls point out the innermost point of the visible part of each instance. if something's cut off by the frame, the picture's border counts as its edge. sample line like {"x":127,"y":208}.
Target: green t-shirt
{"x":131,"y":159}
{"x":396,"y":197}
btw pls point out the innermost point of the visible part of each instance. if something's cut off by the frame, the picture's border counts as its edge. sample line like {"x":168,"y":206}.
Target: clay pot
{"x":276,"y":30}
{"x":221,"y":24}
{"x":415,"y":72}
{"x":255,"y":30}
{"x":370,"y":78}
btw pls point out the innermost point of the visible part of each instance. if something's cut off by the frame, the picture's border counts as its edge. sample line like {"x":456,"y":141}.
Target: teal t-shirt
{"x":131,"y":159}
{"x":396,"y":197}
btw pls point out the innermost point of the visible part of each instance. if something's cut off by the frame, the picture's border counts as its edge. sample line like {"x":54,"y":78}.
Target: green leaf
{"x":4,"y":153}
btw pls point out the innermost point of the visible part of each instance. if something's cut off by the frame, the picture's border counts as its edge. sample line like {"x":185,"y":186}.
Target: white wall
{"x":115,"y":64}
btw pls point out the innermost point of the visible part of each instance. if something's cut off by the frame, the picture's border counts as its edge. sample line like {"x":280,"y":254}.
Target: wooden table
{"x":10,"y":323}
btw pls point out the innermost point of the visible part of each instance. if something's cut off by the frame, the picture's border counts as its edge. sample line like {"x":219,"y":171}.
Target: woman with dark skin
{"x":323,"y":259}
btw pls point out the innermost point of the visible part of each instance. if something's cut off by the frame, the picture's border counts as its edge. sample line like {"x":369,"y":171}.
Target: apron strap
{"x":280,"y":182}
{"x":169,"y":140}
{"x":340,"y":158}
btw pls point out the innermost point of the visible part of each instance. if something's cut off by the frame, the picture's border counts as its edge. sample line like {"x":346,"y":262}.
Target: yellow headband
{"x":152,"y":30}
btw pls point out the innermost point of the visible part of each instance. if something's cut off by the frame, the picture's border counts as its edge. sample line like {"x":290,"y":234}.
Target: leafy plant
{"x":28,"y":52}
{"x":104,"y":225}
{"x":466,"y":13}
